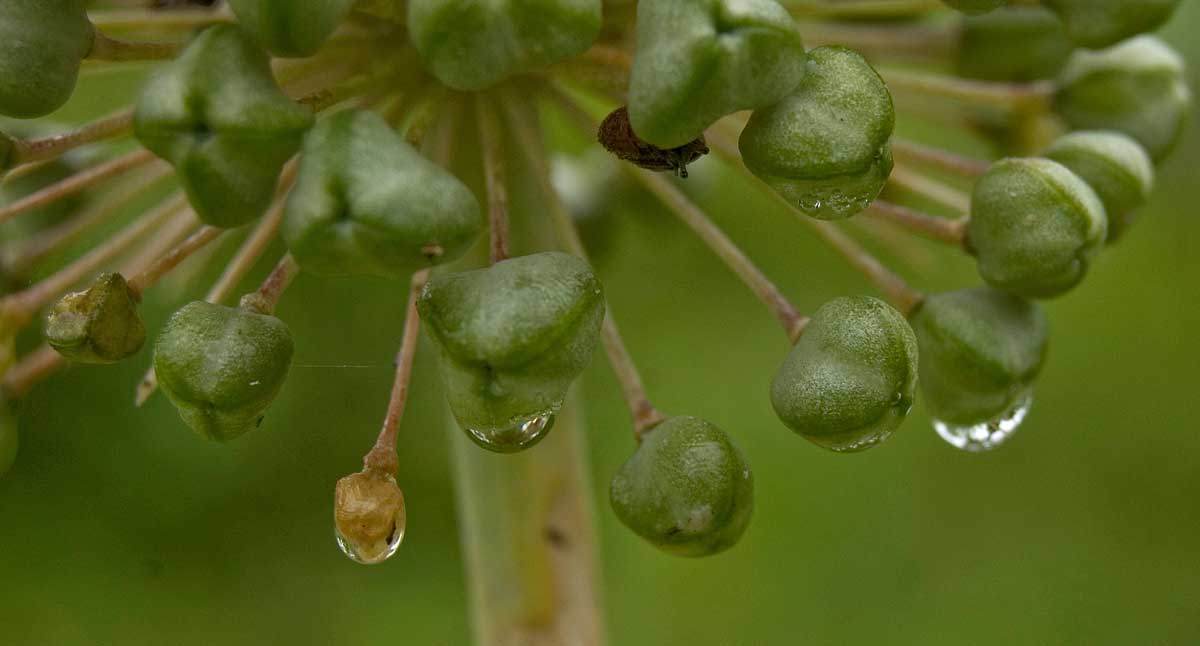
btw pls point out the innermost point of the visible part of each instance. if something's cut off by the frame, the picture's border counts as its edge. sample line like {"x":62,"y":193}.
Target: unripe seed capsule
{"x":1115,"y":166}
{"x":1035,"y":227}
{"x":1101,"y":23}
{"x":1014,"y":44}
{"x":698,"y":61}
{"x":290,"y":28}
{"x":222,"y":367}
{"x":42,"y":43}
{"x":366,"y":202}
{"x":513,"y":337}
{"x":1139,"y":88}
{"x":217,"y":115}
{"x":850,"y":381}
{"x":981,"y":350}
{"x":98,"y":325}
{"x":827,"y":146}
{"x":687,"y":490}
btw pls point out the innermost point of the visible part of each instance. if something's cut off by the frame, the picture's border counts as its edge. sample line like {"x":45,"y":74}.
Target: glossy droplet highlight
{"x":989,"y":434}
{"x":378,"y":553}
{"x":517,"y":436}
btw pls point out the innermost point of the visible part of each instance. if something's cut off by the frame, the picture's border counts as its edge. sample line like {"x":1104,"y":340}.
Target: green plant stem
{"x":939,"y":192}
{"x":383,"y":455}
{"x":923,"y":42}
{"x":944,"y":160}
{"x":863,"y":8}
{"x":895,"y":289}
{"x":948,"y":230}
{"x":490,"y":147}
{"x":645,"y":415}
{"x":115,"y":125}
{"x":105,"y":48}
{"x":80,"y":181}
{"x":1032,"y":97}
{"x":528,"y":536}
{"x":114,"y":20}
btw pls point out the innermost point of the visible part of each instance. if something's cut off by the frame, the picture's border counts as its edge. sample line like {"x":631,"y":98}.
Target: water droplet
{"x":988,"y":434}
{"x":379,"y":551}
{"x":855,"y":444}
{"x":518,"y":436}
{"x":810,"y":203}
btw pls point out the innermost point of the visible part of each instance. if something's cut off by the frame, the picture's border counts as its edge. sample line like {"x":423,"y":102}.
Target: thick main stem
{"x":526,"y":519}
{"x":529,"y":539}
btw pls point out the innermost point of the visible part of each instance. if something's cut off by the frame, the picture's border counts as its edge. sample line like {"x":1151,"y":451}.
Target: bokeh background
{"x":121,"y":527}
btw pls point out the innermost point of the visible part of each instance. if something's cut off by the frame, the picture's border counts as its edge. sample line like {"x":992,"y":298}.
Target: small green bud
{"x":369,"y":516}
{"x":1115,"y":166}
{"x":980,"y":352}
{"x":513,"y":337}
{"x":98,"y":325}
{"x":1101,"y":23}
{"x":366,"y":202}
{"x":1035,"y":227}
{"x":9,"y":438}
{"x":1138,"y":87}
{"x":222,"y":367}
{"x":975,"y":7}
{"x":826,"y":147}
{"x":470,"y":45}
{"x":290,"y":28}
{"x":42,"y":43}
{"x":687,"y":490}
{"x":1015,"y":44}
{"x":699,"y":61}
{"x":850,"y":381}
{"x":217,"y":115}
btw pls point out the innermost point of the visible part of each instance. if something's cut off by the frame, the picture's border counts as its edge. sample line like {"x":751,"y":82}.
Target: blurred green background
{"x":121,"y":527}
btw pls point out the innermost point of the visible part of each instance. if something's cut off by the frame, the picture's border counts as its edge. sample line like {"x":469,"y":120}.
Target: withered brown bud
{"x":98,"y":325}
{"x":369,"y":516}
{"x":617,"y":136}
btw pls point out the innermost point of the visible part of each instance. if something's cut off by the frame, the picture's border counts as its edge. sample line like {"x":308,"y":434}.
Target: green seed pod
{"x":513,"y":337}
{"x":980,"y":352}
{"x":699,"y":61}
{"x":1035,"y":227}
{"x":9,"y":438}
{"x":470,"y":45}
{"x":1138,"y":87}
{"x":290,"y":28}
{"x":826,"y":147}
{"x":1115,"y":166}
{"x":850,"y":380}
{"x":1014,"y":44}
{"x":1101,"y":23}
{"x":687,"y":490}
{"x":217,"y":115}
{"x":222,"y":367}
{"x":366,"y":202}
{"x":42,"y":43}
{"x":99,"y":325}
{"x":975,"y":7}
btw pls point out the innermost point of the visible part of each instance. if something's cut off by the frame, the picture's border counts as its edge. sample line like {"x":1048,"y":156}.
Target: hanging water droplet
{"x":518,"y":436}
{"x":378,"y":551}
{"x":810,"y":203}
{"x":853,"y":444}
{"x":988,"y":434}
{"x":369,"y":516}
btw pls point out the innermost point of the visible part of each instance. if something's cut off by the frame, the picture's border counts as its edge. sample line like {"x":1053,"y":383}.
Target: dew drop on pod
{"x":290,"y":28}
{"x":699,"y":61}
{"x":975,"y":7}
{"x":1014,"y":44}
{"x":1035,"y":227}
{"x":366,"y":203}
{"x":827,"y":146}
{"x":1115,"y":166}
{"x":217,"y":115}
{"x":687,"y":490}
{"x":981,"y":350}
{"x":1101,"y":23}
{"x":513,"y":337}
{"x":470,"y":45}
{"x":369,"y":516}
{"x":42,"y":43}
{"x":98,"y":325}
{"x":222,"y":366}
{"x":9,"y":439}
{"x":850,"y":381}
{"x":1138,"y":87}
